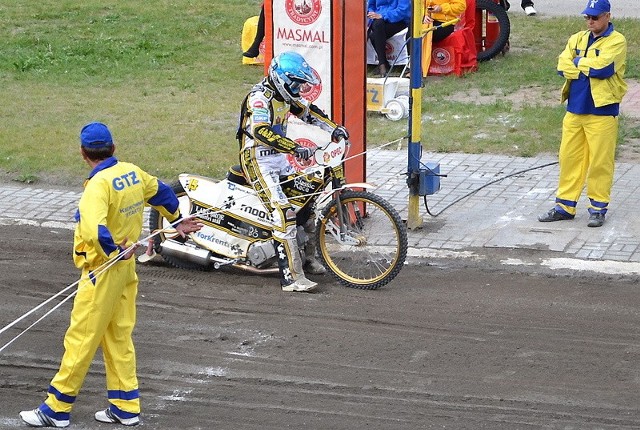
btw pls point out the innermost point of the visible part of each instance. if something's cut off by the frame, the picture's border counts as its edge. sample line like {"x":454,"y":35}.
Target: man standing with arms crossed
{"x":109,"y":217}
{"x":593,"y":64}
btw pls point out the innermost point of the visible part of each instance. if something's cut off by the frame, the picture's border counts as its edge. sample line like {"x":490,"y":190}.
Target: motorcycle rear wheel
{"x":159,"y":222}
{"x":375,"y":245}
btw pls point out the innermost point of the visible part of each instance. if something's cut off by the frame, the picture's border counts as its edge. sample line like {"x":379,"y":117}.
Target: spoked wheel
{"x":159,"y":222}
{"x":367,"y":246}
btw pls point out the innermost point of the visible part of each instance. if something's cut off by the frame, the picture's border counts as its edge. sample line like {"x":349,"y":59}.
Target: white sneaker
{"x":530,"y":11}
{"x":300,"y":284}
{"x":106,"y":416}
{"x":37,"y":418}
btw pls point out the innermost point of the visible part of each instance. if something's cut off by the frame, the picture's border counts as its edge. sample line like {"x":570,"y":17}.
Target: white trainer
{"x":530,"y":11}
{"x":106,"y":416}
{"x":37,"y":418}
{"x":301,"y":284}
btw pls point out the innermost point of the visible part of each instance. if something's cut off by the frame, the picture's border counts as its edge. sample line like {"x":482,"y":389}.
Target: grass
{"x":166,"y":77}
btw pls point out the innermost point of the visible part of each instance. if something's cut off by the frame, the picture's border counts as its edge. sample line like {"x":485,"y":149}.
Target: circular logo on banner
{"x":441,"y":56}
{"x":312,"y":92}
{"x":303,"y":12}
{"x":297,"y":163}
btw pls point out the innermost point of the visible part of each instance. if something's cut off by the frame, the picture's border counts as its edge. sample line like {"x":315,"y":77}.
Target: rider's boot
{"x":311,"y":264}
{"x":301,"y":284}
{"x":291,"y":275}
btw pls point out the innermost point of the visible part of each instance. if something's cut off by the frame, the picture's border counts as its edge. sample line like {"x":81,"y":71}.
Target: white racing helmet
{"x":288,"y":72}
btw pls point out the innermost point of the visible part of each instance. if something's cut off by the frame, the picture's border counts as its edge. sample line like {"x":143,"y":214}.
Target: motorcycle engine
{"x":260,"y":253}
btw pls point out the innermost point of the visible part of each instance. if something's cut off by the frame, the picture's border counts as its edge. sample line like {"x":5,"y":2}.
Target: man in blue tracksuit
{"x":593,"y":64}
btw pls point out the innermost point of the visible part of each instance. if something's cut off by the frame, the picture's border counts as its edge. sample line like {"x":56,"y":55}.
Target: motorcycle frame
{"x":329,"y":165}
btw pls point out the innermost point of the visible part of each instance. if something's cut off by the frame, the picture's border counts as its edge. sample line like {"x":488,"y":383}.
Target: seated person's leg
{"x":379,"y":31}
{"x":378,"y":37}
{"x":442,"y":32}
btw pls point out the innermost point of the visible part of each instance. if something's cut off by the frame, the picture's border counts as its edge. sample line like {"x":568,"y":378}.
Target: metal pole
{"x":414,"y":219}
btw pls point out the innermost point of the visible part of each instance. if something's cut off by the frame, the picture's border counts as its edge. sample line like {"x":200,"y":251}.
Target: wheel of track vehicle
{"x":397,"y":108}
{"x":376,"y":242}
{"x":487,"y":7}
{"x":159,"y":222}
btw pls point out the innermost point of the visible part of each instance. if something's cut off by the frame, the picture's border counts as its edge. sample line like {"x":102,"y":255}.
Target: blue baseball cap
{"x":597,"y":7}
{"x":95,"y":135}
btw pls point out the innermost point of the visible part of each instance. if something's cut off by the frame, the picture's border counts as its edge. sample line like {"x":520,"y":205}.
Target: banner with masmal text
{"x":304,"y":26}
{"x":330,"y":34}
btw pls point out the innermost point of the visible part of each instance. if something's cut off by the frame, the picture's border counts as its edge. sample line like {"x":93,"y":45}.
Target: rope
{"x":38,"y":320}
{"x":98,"y":272}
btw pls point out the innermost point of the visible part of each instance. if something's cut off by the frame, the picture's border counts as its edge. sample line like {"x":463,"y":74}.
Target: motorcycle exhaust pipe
{"x":174,"y":249}
{"x":200,"y":256}
{"x":256,"y":271}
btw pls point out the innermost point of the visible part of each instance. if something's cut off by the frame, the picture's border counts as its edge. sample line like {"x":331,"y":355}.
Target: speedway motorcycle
{"x":360,"y":238}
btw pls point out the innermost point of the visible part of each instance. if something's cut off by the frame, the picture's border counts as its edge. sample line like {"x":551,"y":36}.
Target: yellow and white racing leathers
{"x":594,"y":70}
{"x":263,"y":145}
{"x":104,"y":310}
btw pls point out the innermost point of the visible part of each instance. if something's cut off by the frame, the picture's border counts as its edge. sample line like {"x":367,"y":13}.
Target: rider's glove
{"x":303,"y":152}
{"x":339,"y":133}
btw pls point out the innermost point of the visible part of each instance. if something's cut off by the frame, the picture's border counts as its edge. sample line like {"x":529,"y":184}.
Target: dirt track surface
{"x":441,"y":347}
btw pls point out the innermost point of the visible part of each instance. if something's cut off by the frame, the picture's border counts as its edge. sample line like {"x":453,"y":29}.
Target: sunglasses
{"x":594,"y":17}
